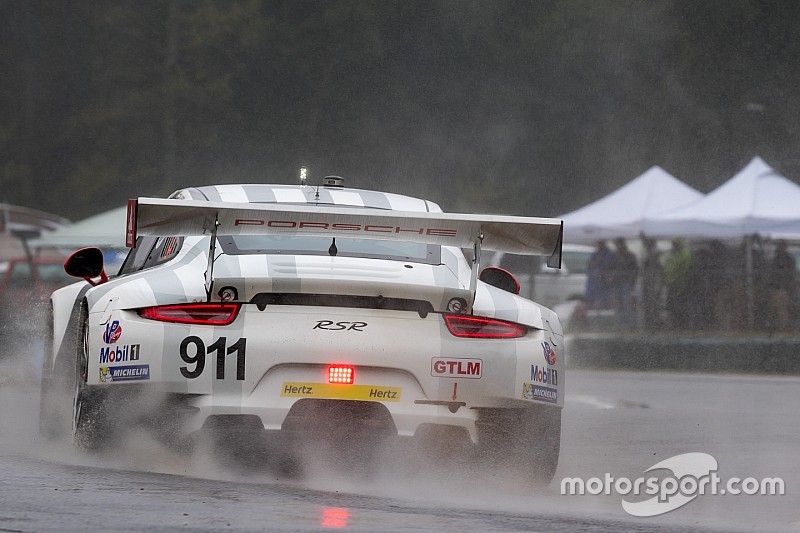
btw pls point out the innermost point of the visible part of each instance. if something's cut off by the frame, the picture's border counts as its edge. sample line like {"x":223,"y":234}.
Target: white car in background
{"x":275,"y":311}
{"x":550,"y":287}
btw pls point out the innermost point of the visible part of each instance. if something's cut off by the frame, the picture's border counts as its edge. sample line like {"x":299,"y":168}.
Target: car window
{"x":520,"y":264}
{"x":138,"y":255}
{"x":53,"y":273}
{"x":577,"y":262}
{"x":304,"y":245}
{"x":164,"y":249}
{"x":20,"y":275}
{"x":151,"y":251}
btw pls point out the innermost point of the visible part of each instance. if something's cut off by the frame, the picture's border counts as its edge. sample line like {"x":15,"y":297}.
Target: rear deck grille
{"x":262,"y":300}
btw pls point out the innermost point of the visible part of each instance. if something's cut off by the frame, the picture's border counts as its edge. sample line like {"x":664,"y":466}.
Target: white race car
{"x":286,"y":309}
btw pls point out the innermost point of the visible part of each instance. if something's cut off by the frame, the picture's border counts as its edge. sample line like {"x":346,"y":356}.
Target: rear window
{"x":303,"y":245}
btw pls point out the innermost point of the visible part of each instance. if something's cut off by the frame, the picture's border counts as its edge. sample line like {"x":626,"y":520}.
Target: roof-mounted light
{"x":333,"y":181}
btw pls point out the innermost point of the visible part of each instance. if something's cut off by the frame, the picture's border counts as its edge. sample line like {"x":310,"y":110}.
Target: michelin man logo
{"x":527,"y":391}
{"x":105,"y":375}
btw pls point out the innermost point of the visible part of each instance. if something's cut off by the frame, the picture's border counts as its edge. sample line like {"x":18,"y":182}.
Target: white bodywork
{"x":271,"y":356}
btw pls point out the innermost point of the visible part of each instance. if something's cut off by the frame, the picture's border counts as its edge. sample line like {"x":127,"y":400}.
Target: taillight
{"x":341,"y":374}
{"x":211,"y":314}
{"x":478,"y":327}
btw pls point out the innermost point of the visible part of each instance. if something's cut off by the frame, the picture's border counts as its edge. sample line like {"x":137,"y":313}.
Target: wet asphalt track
{"x":620,"y":423}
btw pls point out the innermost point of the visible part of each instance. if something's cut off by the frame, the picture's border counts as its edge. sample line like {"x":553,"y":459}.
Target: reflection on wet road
{"x":616,"y":423}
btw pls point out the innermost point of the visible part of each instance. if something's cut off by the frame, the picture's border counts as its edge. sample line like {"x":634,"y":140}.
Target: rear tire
{"x":91,"y":421}
{"x":525,"y":442}
{"x":236,"y":442}
{"x":92,"y":429}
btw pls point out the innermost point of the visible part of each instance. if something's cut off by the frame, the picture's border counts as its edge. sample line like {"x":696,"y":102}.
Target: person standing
{"x":676,"y":269}
{"x":652,"y":284}
{"x":597,"y":277}
{"x":782,"y":277}
{"x":624,"y":271}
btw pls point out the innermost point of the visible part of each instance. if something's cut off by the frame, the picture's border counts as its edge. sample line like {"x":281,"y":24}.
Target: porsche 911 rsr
{"x":289,"y":309}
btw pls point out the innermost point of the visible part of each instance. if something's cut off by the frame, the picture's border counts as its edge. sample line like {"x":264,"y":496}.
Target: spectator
{"x":652,"y":284}
{"x":700,"y":288}
{"x":721,"y":285}
{"x":762,"y":298}
{"x":782,"y":277}
{"x":597,"y":289}
{"x":676,"y":269}
{"x":624,"y":271}
{"x":597,"y":274}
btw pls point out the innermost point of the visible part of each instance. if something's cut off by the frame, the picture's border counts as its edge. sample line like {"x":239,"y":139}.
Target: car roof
{"x":306,"y":194}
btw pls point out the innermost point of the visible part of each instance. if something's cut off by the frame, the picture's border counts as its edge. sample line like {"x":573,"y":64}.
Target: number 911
{"x":193,"y":352}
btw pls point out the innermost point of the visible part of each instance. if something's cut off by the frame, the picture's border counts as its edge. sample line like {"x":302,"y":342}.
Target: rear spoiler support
{"x":476,"y":266}
{"x":212,"y":248}
{"x":554,"y":260}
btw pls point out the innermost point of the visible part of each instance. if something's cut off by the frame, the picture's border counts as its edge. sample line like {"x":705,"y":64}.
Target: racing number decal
{"x":199,"y":357}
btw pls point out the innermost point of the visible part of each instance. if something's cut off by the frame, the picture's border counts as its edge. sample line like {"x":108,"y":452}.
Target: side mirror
{"x":86,"y":263}
{"x":500,"y":278}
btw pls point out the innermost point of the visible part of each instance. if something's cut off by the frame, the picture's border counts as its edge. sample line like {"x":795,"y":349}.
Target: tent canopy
{"x":106,"y":230}
{"x":621,"y":213}
{"x":757,"y":200}
{"x":18,"y":222}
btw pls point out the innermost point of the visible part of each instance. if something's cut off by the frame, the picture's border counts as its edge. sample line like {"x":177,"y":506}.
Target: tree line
{"x":511,"y":106}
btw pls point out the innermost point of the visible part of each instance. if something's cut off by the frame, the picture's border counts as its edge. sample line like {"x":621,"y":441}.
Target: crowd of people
{"x":705,"y":286}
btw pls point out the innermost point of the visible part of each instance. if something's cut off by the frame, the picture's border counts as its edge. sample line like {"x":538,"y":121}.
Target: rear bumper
{"x":407,"y":417}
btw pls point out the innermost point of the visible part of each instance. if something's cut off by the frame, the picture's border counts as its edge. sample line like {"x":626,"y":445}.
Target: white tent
{"x":621,"y":213}
{"x":757,"y":200}
{"x":18,"y":223}
{"x":106,"y":230}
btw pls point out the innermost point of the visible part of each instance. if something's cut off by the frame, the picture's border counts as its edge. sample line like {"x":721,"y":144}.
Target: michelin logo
{"x":124,"y":373}
{"x":531,"y":391}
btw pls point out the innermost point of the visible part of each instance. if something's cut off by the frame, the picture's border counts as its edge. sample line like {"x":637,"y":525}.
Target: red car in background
{"x":24,"y":293}
{"x":25,"y":281}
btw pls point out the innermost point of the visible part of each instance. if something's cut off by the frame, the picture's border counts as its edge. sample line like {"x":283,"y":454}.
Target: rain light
{"x":341,"y":374}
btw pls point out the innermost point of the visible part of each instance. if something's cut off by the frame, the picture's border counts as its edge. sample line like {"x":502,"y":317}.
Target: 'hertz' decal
{"x":341,"y":392}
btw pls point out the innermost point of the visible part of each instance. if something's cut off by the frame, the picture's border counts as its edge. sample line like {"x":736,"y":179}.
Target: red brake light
{"x":341,"y":374}
{"x":212,"y":314}
{"x":478,"y":327}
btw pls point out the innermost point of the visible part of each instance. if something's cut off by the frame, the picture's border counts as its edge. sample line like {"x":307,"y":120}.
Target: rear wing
{"x":511,"y":234}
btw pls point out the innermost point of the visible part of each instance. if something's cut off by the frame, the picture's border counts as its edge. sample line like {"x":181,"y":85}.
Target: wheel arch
{"x":65,"y":308}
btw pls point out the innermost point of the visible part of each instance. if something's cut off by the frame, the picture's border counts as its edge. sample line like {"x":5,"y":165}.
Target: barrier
{"x":742,"y":354}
